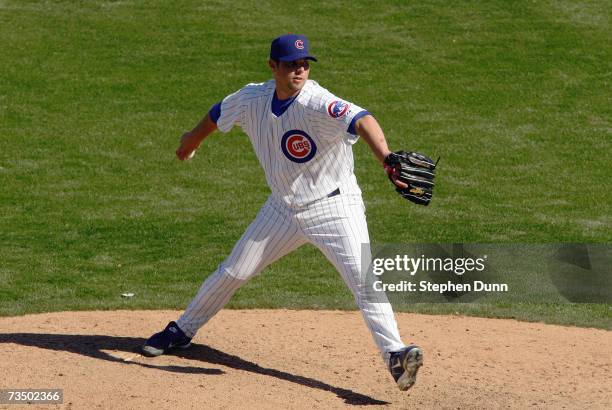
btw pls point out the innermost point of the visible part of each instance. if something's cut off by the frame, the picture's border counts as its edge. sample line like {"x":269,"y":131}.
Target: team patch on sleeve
{"x":337,"y":108}
{"x":298,"y":146}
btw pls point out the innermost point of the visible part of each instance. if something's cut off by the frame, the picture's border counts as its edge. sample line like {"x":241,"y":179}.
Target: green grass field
{"x":514,"y":95}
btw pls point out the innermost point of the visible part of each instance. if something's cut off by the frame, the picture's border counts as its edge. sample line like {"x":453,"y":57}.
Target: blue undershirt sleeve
{"x":351,"y":128}
{"x":215,"y":112}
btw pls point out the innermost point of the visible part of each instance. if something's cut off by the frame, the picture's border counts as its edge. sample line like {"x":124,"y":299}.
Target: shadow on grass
{"x":94,"y":346}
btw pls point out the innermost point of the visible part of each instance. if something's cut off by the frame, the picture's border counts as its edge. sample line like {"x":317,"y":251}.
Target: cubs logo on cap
{"x":337,"y":109}
{"x":290,"y":47}
{"x":298,"y":146}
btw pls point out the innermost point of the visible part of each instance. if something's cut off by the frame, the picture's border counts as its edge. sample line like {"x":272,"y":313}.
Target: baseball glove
{"x":415,"y":170}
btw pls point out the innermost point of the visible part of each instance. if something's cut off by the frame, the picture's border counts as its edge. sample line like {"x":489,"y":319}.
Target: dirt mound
{"x":304,"y":359}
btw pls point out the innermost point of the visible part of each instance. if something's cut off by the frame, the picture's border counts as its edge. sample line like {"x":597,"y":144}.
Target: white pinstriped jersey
{"x":306,"y":152}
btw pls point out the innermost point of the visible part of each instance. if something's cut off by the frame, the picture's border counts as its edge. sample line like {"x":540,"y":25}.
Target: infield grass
{"x":514,"y":96}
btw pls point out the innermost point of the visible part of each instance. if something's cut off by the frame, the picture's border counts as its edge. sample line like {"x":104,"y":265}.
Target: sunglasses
{"x":294,"y":65}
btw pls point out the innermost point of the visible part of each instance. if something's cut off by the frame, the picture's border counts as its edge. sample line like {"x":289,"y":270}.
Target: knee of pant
{"x":360,"y":294}
{"x":229,"y":273}
{"x":357,"y":287}
{"x":366,"y":298}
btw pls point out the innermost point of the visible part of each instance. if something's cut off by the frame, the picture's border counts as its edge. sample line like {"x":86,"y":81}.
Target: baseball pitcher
{"x":302,"y":135}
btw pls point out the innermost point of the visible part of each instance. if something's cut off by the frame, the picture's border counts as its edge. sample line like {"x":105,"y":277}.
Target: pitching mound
{"x":304,"y":359}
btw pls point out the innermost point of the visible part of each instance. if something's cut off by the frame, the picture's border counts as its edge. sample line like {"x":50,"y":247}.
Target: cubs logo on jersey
{"x":337,"y":109}
{"x":298,"y":146}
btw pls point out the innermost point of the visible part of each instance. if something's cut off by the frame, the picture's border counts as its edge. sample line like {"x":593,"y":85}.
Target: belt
{"x":336,"y":192}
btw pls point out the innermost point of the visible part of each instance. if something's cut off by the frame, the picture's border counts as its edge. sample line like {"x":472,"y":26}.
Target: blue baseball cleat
{"x":160,"y":343}
{"x":404,"y":366}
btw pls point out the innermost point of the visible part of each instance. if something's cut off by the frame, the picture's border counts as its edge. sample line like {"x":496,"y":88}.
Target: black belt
{"x":336,"y":192}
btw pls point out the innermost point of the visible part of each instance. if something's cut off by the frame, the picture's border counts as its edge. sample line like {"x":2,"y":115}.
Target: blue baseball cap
{"x":290,"y":47}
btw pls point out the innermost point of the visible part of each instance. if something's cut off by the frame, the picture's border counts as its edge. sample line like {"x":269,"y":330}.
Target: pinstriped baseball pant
{"x":335,"y":225}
